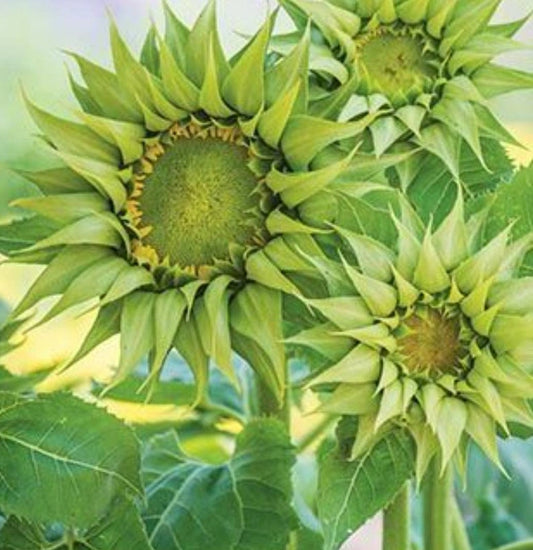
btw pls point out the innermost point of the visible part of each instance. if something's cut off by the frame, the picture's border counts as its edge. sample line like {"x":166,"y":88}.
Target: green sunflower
{"x":433,"y":334}
{"x":428,"y":63}
{"x":178,"y":200}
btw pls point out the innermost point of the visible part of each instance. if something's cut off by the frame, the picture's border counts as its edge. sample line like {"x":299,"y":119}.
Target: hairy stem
{"x":460,"y":536}
{"x":397,"y":522}
{"x":438,"y":509}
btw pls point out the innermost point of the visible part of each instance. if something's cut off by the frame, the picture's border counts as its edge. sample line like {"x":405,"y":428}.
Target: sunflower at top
{"x":177,"y":201}
{"x":427,"y":63}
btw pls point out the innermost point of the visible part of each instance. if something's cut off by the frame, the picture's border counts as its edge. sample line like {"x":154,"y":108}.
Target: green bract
{"x":427,"y":62}
{"x":178,"y":202}
{"x":436,"y":335}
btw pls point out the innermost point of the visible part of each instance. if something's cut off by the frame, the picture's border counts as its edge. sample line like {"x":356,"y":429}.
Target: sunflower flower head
{"x":439,"y":330}
{"x":177,"y":201}
{"x":428,"y":62}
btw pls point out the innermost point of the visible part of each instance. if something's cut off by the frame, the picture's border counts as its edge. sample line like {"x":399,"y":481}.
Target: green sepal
{"x":203,"y":48}
{"x":101,"y":229}
{"x":125,"y":135}
{"x":93,"y":282}
{"x":430,"y":274}
{"x":250,"y":68}
{"x":189,"y":343}
{"x":176,"y":35}
{"x":273,"y":121}
{"x":72,"y":137}
{"x":493,"y":80}
{"x":136,"y":332}
{"x":390,"y":403}
{"x":287,"y":73}
{"x":407,"y":293}
{"x":509,"y":29}
{"x":259,"y":268}
{"x":427,"y":446}
{"x":514,"y":296}
{"x":177,"y":86}
{"x":133,"y":278}
{"x":475,"y":303}
{"x":483,"y":264}
{"x":169,"y":309}
{"x":439,"y":14}
{"x":412,"y":11}
{"x":321,"y":338}
{"x":510,"y":331}
{"x":487,"y":397}
{"x":482,"y":429}
{"x":150,"y":53}
{"x":214,"y":311}
{"x":84,"y":98}
{"x":297,"y":187}
{"x":306,"y":136}
{"x":210,"y":98}
{"x":57,"y":181}
{"x":360,"y":366}
{"x":431,"y":399}
{"x":374,"y":258}
{"x":408,"y":250}
{"x":380,"y":298}
{"x":377,"y":335}
{"x":351,"y":399}
{"x":255,"y":320}
{"x":105,"y":326}
{"x":115,"y":102}
{"x":346,"y":312}
{"x":56,"y":278}
{"x":103,"y":177}
{"x":450,"y":239}
{"x":450,"y":424}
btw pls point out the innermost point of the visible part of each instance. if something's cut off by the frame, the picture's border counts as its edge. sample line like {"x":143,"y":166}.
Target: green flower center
{"x":400,"y":66}
{"x":201,"y":200}
{"x":431,"y":342}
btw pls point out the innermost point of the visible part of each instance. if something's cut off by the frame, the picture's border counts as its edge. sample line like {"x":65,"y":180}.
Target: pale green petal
{"x":346,"y":312}
{"x":391,"y":403}
{"x":430,"y":274}
{"x":352,"y":399}
{"x":450,"y":423}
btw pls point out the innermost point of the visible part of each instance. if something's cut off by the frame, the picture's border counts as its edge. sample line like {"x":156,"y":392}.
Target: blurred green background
{"x":33,"y":34}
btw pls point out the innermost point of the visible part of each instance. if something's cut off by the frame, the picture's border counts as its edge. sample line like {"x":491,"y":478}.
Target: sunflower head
{"x":177,"y":203}
{"x":429,"y":62}
{"x":435,"y":335}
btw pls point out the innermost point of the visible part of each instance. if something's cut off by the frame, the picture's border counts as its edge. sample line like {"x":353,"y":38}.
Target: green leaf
{"x":107,"y":534}
{"x":81,"y":457}
{"x":243,"y":504}
{"x":350,"y":492}
{"x":514,"y":202}
{"x":57,"y":181}
{"x":19,"y":384}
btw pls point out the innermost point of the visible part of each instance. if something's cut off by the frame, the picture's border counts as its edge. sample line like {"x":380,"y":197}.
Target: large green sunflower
{"x":428,"y":62}
{"x":433,"y":334}
{"x":178,"y":202}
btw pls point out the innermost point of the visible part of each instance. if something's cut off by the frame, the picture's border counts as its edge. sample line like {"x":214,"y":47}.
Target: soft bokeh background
{"x":32,"y":35}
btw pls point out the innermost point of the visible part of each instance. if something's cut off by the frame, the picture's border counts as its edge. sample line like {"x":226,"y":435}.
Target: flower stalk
{"x":438,"y":508}
{"x":397,"y":522}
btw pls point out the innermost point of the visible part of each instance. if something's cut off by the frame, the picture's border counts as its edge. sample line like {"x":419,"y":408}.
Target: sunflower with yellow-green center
{"x":427,"y":62}
{"x":435,"y":336}
{"x":178,"y":198}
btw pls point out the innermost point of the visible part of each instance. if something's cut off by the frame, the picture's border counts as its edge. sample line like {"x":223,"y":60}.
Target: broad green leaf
{"x":243,"y":504}
{"x":107,"y":534}
{"x":19,"y":384}
{"x":25,"y":232}
{"x":514,"y":203}
{"x":350,"y":492}
{"x":81,"y":457}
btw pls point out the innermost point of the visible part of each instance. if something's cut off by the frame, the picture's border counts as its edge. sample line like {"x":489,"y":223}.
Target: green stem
{"x":460,"y":536}
{"x":71,"y":539}
{"x":523,"y":545}
{"x":438,"y":509}
{"x":397,"y":522}
{"x":315,"y":433}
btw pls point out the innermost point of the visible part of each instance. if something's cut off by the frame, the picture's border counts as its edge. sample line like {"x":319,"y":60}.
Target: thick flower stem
{"x":438,"y":509}
{"x":460,"y":536}
{"x":397,"y":522}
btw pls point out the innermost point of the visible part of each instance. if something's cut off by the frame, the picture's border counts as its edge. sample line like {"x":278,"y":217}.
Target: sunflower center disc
{"x":196,"y":201}
{"x":432,"y":342}
{"x":394,"y":65}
